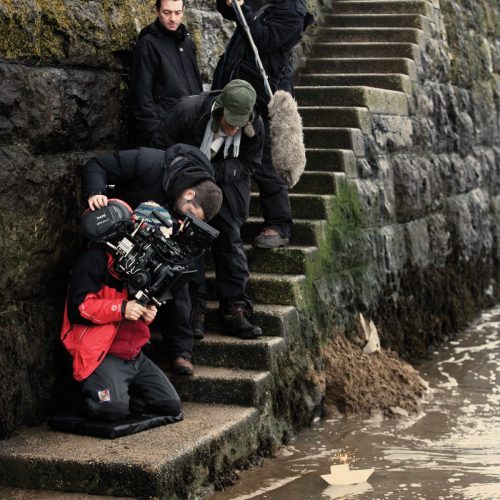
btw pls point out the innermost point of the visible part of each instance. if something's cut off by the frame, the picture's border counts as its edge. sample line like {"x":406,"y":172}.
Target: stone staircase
{"x":362,"y":65}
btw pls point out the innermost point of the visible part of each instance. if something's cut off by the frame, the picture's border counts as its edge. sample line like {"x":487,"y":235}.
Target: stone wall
{"x":63,"y":68}
{"x":428,"y":238}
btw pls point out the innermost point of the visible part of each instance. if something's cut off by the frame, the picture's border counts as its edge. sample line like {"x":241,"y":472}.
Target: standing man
{"x":164,"y":69}
{"x":225,"y":127}
{"x":276,"y":28}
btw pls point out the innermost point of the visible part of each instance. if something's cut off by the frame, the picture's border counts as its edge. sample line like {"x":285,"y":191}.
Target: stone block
{"x":469,"y":221}
{"x":391,"y":249}
{"x":417,"y":243}
{"x":412,"y":186}
{"x":393,"y":132}
{"x":440,"y":244}
{"x":54,"y":32}
{"x":55,"y":110}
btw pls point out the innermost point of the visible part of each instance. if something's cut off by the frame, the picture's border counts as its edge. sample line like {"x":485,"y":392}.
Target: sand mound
{"x":364,"y":383}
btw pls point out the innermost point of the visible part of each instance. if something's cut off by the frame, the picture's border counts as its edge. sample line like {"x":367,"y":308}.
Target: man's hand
{"x":134,"y":310}
{"x":97,"y":201}
{"x":229,"y":3}
{"x":150,"y":314}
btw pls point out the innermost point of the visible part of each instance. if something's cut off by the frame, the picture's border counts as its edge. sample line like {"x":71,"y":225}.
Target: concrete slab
{"x":166,"y":462}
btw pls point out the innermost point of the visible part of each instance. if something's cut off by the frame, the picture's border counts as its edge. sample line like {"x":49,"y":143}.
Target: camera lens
{"x":141,"y":279}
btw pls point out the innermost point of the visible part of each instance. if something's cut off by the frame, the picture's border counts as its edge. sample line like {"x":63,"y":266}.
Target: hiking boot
{"x":270,"y":238}
{"x":198,"y":323}
{"x":236,"y":320}
{"x":182,"y":366}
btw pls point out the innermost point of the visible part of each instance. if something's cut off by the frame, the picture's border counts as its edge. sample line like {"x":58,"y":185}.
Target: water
{"x":451,"y":450}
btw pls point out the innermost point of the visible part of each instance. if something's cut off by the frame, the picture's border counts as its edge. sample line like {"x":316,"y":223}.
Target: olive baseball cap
{"x":238,"y":99}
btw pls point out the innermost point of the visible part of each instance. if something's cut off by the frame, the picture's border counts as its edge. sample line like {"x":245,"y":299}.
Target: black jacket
{"x":147,"y":174}
{"x":163,"y":69}
{"x":186,"y":122}
{"x":275,"y":28}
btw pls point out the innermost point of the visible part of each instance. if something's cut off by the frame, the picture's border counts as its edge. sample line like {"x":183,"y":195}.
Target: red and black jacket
{"x":94,"y":314}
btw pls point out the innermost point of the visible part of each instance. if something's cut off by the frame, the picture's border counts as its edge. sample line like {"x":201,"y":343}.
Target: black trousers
{"x":231,"y":266}
{"x":273,"y":190}
{"x":118,"y":388}
{"x":173,"y":322}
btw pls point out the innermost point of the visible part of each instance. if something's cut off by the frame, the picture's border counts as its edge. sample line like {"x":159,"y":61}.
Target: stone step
{"x":305,"y":232}
{"x":275,"y":320}
{"x":286,"y":260}
{"x":321,"y":182}
{"x":159,"y":463}
{"x":224,"y":386}
{"x":364,"y":50}
{"x":335,"y":138}
{"x":304,"y":206}
{"x":378,"y":101}
{"x":230,"y":352}
{"x":335,"y":160}
{"x":222,"y":351}
{"x":334,"y":116}
{"x":394,"y":81}
{"x":383,"y":7}
{"x":378,"y":21}
{"x":336,"y":65}
{"x":371,"y":35}
{"x":282,"y":289}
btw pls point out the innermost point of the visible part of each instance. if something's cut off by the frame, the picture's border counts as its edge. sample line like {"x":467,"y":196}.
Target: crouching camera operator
{"x":181,"y":178}
{"x":131,"y":266}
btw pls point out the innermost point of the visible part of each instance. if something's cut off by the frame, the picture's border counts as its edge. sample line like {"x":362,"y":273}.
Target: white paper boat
{"x":340,"y":474}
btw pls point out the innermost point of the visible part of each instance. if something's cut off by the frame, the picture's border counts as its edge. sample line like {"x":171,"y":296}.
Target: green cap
{"x":238,"y":99}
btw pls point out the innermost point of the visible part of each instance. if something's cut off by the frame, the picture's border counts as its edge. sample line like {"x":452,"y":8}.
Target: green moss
{"x":341,"y":256}
{"x":57,"y":30}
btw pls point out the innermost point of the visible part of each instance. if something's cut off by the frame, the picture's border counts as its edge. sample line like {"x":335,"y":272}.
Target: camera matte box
{"x":99,"y":223}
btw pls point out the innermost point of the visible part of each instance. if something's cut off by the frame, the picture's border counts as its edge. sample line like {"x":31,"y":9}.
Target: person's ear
{"x":189,"y":194}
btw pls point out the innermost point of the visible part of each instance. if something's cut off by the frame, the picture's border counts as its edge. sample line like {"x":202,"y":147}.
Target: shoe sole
{"x":198,"y":334}
{"x":281,"y":243}
{"x":250,"y":337}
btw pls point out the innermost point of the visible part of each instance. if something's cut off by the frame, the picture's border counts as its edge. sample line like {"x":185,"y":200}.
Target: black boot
{"x":236,"y":320}
{"x":198,"y":323}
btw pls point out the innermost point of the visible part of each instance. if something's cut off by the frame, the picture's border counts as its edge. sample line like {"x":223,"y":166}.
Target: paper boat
{"x":340,"y":474}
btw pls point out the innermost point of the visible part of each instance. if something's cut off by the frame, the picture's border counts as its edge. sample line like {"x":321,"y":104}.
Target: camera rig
{"x":153,"y":263}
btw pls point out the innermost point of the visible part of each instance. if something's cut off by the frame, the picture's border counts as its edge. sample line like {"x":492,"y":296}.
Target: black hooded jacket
{"x":275,"y":28}
{"x":186,"y":123}
{"x":147,"y":174}
{"x":163,"y":69}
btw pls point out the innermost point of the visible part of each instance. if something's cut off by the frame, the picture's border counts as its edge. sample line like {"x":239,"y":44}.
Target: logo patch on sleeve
{"x":104,"y":395}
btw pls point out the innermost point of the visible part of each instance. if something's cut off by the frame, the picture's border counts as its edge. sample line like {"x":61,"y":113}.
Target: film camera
{"x":153,"y":254}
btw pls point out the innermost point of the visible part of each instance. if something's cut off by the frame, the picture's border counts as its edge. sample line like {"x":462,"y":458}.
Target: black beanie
{"x":185,"y":166}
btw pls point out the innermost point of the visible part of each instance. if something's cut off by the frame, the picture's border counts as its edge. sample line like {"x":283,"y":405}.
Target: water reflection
{"x":344,"y":491}
{"x":451,"y":450}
